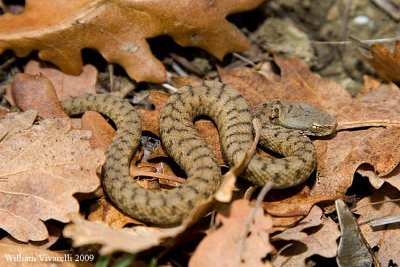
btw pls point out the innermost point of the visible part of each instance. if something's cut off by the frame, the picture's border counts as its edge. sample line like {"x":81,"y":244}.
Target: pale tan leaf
{"x":238,"y":241}
{"x":66,"y":86}
{"x":41,"y":168}
{"x":13,"y":122}
{"x":131,"y":240}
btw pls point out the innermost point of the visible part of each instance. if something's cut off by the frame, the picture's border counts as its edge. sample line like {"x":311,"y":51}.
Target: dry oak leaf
{"x":36,"y":92}
{"x":385,"y":62}
{"x":131,"y":240}
{"x":66,"y":86}
{"x":41,"y":167}
{"x":315,"y":235}
{"x":385,"y":238}
{"x":340,"y":155}
{"x":238,"y":241}
{"x":119,"y":29}
{"x":293,"y":203}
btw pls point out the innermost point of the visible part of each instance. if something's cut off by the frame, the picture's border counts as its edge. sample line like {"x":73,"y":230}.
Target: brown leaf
{"x":385,"y":238}
{"x":386,"y":63}
{"x":36,"y":92}
{"x":131,"y":240}
{"x":66,"y":86}
{"x":238,"y":241}
{"x":41,"y":168}
{"x":320,"y":240}
{"x":119,"y":29}
{"x":338,"y":156}
{"x":292,"y":202}
{"x":102,"y":131}
{"x":103,"y":211}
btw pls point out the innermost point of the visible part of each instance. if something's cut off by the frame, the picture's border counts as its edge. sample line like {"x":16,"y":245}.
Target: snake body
{"x":233,"y":118}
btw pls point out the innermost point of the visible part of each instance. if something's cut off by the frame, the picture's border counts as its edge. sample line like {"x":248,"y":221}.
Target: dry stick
{"x":371,"y":123}
{"x":344,"y":30}
{"x":375,"y":203}
{"x":388,"y":8}
{"x":242,"y":58}
{"x":138,"y":172}
{"x":367,"y":41}
{"x":250,"y":218}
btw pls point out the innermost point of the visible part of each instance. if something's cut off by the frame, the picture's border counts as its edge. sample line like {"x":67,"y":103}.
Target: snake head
{"x":302,"y":117}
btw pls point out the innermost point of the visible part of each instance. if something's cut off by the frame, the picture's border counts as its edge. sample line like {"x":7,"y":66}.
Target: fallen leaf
{"x":341,"y":155}
{"x":292,"y":202}
{"x":353,"y":250}
{"x":102,"y":211}
{"x":102,"y":131}
{"x":131,"y":240}
{"x":384,"y":240}
{"x":55,"y":232}
{"x":13,"y":122}
{"x":314,"y":235}
{"x":41,"y":168}
{"x":385,"y":62}
{"x":66,"y":86}
{"x":119,"y":29}
{"x":36,"y":92}
{"x":237,"y":241}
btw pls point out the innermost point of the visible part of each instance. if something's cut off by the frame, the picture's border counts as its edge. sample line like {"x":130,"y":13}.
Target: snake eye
{"x":315,"y":128}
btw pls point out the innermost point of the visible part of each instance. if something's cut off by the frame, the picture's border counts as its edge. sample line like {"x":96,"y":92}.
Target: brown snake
{"x":233,"y":118}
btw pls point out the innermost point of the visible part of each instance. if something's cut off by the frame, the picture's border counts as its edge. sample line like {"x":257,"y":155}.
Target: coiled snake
{"x":233,"y":118}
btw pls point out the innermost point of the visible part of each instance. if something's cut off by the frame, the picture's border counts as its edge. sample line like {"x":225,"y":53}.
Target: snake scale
{"x":233,"y":119}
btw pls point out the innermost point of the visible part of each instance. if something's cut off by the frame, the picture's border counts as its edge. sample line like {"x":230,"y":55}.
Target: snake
{"x":284,"y":129}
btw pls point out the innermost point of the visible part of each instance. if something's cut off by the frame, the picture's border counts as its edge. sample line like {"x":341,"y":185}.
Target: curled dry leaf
{"x":36,"y":92}
{"x":385,"y":62}
{"x":66,"y":86}
{"x":320,"y":240}
{"x":340,"y":155}
{"x":385,"y":240}
{"x":41,"y":168}
{"x":119,"y":29}
{"x":292,"y":202}
{"x":238,"y":241}
{"x":353,"y":250}
{"x":131,"y":240}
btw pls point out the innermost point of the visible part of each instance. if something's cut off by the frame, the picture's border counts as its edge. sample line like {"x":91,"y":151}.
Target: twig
{"x":138,"y":172}
{"x":371,"y":123}
{"x":388,"y":8}
{"x":375,"y":203}
{"x":242,"y":58}
{"x":169,"y":87}
{"x":368,"y":41}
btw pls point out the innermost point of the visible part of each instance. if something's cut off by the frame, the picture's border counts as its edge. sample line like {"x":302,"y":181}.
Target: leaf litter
{"x":366,"y":143}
